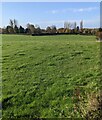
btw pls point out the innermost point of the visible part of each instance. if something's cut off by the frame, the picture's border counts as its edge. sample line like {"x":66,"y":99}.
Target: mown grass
{"x":49,"y":76}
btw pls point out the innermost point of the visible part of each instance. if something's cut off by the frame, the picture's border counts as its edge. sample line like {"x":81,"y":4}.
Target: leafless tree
{"x":75,"y":25}
{"x":68,"y":25}
{"x":11,"y":23}
{"x":15,"y":22}
{"x":81,"y":25}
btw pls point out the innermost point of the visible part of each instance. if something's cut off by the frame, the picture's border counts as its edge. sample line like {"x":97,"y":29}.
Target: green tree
{"x":21,"y":29}
{"x":15,"y":24}
{"x":31,"y":28}
{"x":9,"y":29}
{"x":77,"y":29}
{"x":16,"y":29}
{"x":37,"y":29}
{"x":48,"y":29}
{"x":11,"y":23}
{"x":53,"y":29}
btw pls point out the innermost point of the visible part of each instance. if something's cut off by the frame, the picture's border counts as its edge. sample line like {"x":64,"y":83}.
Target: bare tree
{"x":32,"y":29}
{"x":11,"y":23}
{"x":37,"y":26}
{"x":16,"y":29}
{"x":15,"y":22}
{"x":75,"y":25}
{"x":68,"y":25}
{"x":81,"y":25}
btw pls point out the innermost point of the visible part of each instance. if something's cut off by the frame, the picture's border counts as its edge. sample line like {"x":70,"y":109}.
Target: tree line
{"x":69,"y":28}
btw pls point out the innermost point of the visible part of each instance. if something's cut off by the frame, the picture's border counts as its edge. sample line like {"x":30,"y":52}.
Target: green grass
{"x":42,"y":74}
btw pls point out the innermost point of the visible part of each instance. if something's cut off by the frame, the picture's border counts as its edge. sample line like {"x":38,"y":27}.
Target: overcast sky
{"x":51,"y":13}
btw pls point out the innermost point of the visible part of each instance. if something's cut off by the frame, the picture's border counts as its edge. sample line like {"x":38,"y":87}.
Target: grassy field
{"x":50,"y":76}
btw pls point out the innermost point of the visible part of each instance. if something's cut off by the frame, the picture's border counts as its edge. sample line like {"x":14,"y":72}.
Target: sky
{"x":51,"y":13}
